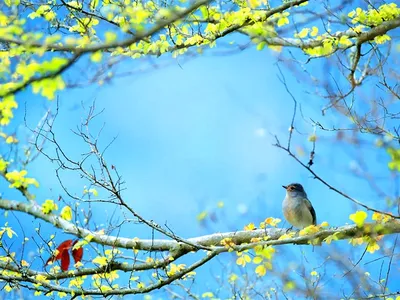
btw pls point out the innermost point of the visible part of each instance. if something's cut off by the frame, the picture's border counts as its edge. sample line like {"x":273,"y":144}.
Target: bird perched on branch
{"x":297,"y":209}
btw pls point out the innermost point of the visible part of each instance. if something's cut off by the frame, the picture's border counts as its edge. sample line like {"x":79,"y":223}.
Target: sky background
{"x":194,"y":134}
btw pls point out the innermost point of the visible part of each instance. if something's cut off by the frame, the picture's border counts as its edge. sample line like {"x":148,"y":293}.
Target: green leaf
{"x":10,"y":3}
{"x":303,"y":33}
{"x":261,"y":45}
{"x":359,"y":218}
{"x":96,"y":57}
{"x":93,"y":4}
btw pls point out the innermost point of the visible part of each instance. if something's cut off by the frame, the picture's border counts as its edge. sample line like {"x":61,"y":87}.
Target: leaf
{"x":312,"y":138}
{"x":243,"y":260}
{"x":290,"y":285}
{"x":272,"y":221}
{"x":261,"y":270}
{"x":100,"y":260}
{"x":372,"y":247}
{"x":110,"y":37}
{"x":6,"y":109}
{"x":3,"y":165}
{"x":359,"y":217}
{"x":345,"y":41}
{"x":314,"y":31}
{"x":93,"y":4}
{"x":207,"y":295}
{"x":12,"y":2}
{"x":266,"y":252}
{"x":18,"y":180}
{"x":303,"y":33}
{"x":66,"y":213}
{"x":287,"y":236}
{"x":94,"y":192}
{"x":249,"y":227}
{"x":11,"y":140}
{"x":257,"y":260}
{"x":261,"y":45}
{"x":201,"y":216}
{"x":8,"y":288}
{"x":61,"y":295}
{"x":47,"y":87}
{"x":356,"y":241}
{"x":24,"y":263}
{"x":253,"y":3}
{"x":96,"y":56}
{"x":75,"y":4}
{"x":381,"y":218}
{"x":351,"y":14}
{"x":282,"y":19}
{"x":324,"y":224}
{"x":10,"y":232}
{"x":48,"y":206}
{"x":311,"y":229}
{"x":233,"y":277}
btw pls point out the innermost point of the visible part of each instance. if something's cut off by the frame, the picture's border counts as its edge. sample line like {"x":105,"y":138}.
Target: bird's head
{"x":294,"y":188}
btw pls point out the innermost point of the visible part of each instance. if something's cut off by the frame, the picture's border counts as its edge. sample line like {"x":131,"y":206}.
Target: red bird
{"x":63,"y":254}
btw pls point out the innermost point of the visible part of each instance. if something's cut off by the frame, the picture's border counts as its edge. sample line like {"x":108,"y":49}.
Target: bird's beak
{"x":285,"y":187}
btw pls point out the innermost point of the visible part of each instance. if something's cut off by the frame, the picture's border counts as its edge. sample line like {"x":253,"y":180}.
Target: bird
{"x":297,"y":209}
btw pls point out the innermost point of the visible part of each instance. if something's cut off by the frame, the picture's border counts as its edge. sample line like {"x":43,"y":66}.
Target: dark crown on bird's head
{"x":294,"y":187}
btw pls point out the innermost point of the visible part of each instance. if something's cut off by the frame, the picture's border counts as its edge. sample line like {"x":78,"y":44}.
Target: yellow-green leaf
{"x":261,"y":270}
{"x":359,"y":218}
{"x":303,"y":33}
{"x":66,"y":213}
{"x":96,"y":57}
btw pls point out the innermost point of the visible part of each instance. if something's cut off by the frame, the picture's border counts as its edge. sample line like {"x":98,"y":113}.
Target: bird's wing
{"x":312,"y":211}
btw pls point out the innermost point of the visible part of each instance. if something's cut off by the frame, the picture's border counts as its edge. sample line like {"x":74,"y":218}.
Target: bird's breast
{"x":296,"y":212}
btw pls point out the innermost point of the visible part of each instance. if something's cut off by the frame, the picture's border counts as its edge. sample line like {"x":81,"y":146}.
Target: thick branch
{"x":43,"y":285}
{"x":242,"y":239}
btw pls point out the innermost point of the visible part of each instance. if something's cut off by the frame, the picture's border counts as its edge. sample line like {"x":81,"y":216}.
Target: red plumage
{"x":63,"y":254}
{"x":77,"y":253}
{"x":65,"y":260}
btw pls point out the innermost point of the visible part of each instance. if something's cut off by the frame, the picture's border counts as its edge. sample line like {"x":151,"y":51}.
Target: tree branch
{"x":242,"y":239}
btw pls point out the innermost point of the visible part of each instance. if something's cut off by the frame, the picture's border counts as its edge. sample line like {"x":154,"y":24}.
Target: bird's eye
{"x":291,"y":188}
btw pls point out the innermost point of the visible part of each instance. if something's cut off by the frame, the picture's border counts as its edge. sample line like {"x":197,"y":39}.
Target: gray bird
{"x":297,"y":209}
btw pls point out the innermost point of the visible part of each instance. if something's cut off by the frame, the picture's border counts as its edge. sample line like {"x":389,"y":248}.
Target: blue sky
{"x":191,"y":135}
{"x":197,"y":134}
